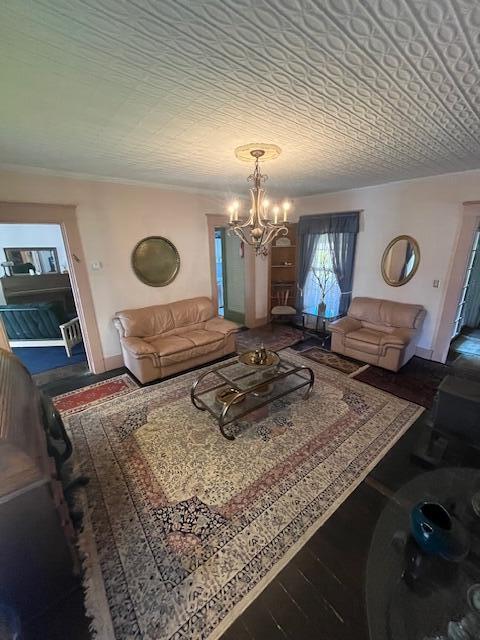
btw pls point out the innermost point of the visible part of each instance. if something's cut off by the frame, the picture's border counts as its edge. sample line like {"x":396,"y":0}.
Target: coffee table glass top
{"x":409,"y":593}
{"x":234,"y":389}
{"x":251,"y":401}
{"x":243,"y":377}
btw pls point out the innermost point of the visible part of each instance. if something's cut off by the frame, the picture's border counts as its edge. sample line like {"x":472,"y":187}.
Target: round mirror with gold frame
{"x":155,"y":261}
{"x":400,"y":260}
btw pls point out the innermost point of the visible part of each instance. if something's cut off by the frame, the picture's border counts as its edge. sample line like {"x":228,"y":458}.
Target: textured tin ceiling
{"x":355,"y":93}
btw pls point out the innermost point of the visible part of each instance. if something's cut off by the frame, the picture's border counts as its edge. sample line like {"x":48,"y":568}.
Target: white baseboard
{"x":421,"y":352}
{"x":114,"y":362}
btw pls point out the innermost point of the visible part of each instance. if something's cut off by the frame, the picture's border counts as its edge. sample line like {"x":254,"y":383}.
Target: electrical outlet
{"x":96,"y":266}
{"x":436,"y":283}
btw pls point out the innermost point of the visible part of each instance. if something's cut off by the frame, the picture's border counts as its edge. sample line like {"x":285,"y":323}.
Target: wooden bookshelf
{"x":283,"y":269}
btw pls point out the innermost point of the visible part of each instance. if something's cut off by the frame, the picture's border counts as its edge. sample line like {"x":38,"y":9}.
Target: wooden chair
{"x":283,"y":312}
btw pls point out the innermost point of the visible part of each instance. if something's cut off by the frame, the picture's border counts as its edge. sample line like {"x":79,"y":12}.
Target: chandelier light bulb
{"x":276,"y":211}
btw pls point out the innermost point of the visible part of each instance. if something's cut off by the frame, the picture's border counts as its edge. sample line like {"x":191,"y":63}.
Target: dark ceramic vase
{"x":437,"y":532}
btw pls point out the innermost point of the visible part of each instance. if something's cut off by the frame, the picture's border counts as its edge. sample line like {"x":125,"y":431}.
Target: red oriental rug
{"x":93,"y":394}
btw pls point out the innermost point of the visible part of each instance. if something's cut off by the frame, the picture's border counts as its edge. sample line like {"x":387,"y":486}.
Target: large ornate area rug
{"x":184,"y":528}
{"x":94,"y":394}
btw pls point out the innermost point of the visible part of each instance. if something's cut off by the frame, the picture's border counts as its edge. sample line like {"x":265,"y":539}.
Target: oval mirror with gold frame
{"x":155,"y":261}
{"x":400,"y":260}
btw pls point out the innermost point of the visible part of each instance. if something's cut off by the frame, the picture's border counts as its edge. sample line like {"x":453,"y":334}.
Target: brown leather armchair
{"x":380,"y":332}
{"x":165,"y":339}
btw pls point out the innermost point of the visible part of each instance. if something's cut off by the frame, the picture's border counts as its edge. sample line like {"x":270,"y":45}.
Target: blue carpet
{"x":39,"y":359}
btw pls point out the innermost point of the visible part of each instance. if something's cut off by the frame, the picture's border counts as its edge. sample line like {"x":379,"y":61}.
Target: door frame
{"x":65,"y":216}
{"x":468,"y":226}
{"x":216,"y":220}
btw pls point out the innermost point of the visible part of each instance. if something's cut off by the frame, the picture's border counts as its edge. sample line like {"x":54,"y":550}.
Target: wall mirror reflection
{"x":400,"y":260}
{"x":31,"y":261}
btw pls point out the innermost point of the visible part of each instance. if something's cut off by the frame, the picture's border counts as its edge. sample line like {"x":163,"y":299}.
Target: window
{"x":321,"y":268}
{"x":326,"y":257}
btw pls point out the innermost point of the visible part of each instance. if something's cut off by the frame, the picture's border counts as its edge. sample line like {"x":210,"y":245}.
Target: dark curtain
{"x":342,"y":229}
{"x":472,"y":301}
{"x":306,"y":247}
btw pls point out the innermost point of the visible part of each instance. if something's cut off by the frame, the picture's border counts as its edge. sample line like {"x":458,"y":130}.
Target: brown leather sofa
{"x":164,"y":339}
{"x":380,"y":332}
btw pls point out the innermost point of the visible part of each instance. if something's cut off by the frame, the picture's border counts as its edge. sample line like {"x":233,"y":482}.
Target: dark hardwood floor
{"x":320,"y":592}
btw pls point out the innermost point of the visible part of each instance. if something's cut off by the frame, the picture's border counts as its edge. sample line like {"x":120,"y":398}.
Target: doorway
{"x":230,"y":275}
{"x":37,"y":305}
{"x":465,"y":345}
{"x":219,"y":269}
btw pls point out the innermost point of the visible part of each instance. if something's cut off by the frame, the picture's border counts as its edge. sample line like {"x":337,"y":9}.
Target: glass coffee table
{"x":412,"y":595}
{"x":232,"y":390}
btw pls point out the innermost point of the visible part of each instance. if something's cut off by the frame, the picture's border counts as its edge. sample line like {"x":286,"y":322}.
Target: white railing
{"x":70,"y":332}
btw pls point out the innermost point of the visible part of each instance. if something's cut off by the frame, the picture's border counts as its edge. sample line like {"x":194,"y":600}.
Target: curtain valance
{"x":344,"y":222}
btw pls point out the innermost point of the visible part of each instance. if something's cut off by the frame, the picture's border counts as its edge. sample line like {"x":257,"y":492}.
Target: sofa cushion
{"x":223,"y":326}
{"x":171,"y":344}
{"x":200,"y":337}
{"x":147,"y":321}
{"x":194,"y":352}
{"x":193,"y":311}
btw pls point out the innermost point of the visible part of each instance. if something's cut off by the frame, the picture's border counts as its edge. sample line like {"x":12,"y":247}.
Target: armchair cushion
{"x":398,"y":338}
{"x":284,"y":310}
{"x":221,"y":325}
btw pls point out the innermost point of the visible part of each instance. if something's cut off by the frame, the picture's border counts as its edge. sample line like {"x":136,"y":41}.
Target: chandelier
{"x":266,"y":221}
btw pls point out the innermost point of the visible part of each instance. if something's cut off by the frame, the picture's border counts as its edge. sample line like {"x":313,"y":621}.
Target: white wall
{"x":112,"y":218}
{"x":429,"y":210}
{"x":33,"y":235}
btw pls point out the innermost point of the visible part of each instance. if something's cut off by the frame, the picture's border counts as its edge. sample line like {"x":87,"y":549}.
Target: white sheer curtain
{"x":322,"y":259}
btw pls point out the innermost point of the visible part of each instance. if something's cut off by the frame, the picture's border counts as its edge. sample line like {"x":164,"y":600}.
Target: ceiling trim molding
{"x":87,"y":177}
{"x":394,"y":182}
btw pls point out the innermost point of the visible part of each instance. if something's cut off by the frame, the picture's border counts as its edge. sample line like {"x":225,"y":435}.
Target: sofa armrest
{"x":137,"y":346}
{"x":344,"y":325}
{"x":221,"y":325}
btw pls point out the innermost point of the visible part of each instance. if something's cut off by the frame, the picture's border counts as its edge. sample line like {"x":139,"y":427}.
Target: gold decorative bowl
{"x":248,"y":358}
{"x":226,"y":394}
